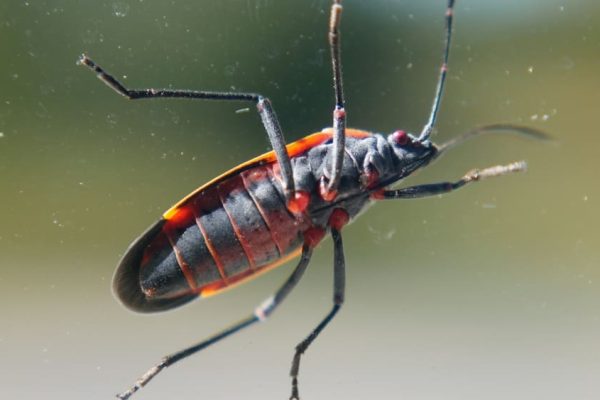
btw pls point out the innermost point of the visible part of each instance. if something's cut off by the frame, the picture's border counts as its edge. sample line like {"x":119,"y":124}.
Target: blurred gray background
{"x":491,"y":292}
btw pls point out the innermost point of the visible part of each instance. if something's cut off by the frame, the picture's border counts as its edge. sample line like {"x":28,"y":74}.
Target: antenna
{"x":426,"y":132}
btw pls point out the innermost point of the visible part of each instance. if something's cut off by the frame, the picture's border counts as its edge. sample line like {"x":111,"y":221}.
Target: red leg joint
{"x":299,"y":202}
{"x":339,"y":113}
{"x":378,"y":194}
{"x":326,"y":194}
{"x":371,"y":178}
{"x":313,"y":235}
{"x":338,"y":218}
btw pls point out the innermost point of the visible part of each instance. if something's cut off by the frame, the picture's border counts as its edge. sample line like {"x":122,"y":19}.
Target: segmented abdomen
{"x":220,"y":236}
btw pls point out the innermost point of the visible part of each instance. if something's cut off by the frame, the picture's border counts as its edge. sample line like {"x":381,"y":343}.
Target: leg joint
{"x":263,"y":311}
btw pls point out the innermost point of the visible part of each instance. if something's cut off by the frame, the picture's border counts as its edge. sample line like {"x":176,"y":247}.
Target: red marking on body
{"x":339,"y":113}
{"x":285,"y":226}
{"x":313,"y":235}
{"x":372,"y":177}
{"x":338,"y":218}
{"x":277,"y":172}
{"x":299,"y":202}
{"x":378,"y":194}
{"x":324,"y":192}
{"x":444,"y":67}
{"x":400,"y":137}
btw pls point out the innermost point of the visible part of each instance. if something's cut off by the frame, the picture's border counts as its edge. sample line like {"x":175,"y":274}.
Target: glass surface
{"x":489,"y":292}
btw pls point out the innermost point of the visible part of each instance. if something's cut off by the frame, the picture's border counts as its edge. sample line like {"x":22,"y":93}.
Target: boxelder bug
{"x":277,"y":206}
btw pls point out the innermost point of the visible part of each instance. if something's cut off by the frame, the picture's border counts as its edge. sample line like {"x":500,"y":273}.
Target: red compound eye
{"x":400,"y":138}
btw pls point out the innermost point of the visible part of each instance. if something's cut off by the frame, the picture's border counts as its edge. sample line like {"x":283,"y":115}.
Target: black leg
{"x":434,"y":189}
{"x":329,"y":188}
{"x":260,"y":314}
{"x":339,"y":283}
{"x":442,"y":77}
{"x":263,"y":105}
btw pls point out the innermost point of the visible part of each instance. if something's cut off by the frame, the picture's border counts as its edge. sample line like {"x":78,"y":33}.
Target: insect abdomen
{"x":220,"y":236}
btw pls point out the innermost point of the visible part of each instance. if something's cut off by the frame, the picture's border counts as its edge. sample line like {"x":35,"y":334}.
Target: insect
{"x":278,"y":206}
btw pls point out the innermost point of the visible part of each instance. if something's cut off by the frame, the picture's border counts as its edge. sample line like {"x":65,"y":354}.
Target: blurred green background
{"x":491,"y":292}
